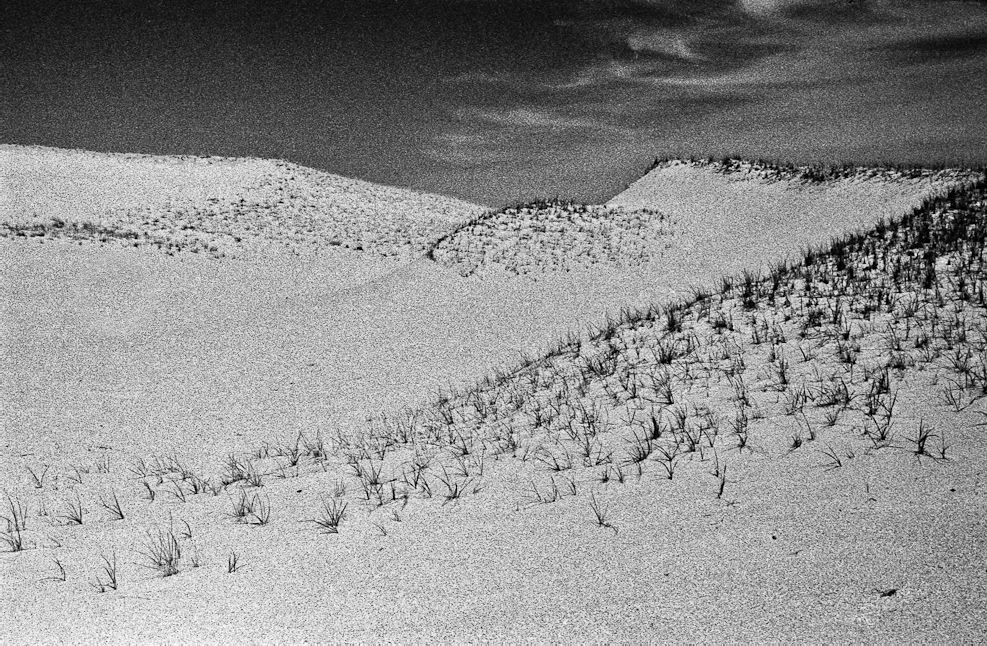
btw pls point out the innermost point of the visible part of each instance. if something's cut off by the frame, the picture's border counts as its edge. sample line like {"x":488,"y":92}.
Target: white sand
{"x":216,"y":205}
{"x":123,"y":353}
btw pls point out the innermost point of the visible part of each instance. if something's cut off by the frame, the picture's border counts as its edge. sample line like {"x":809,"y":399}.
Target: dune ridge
{"x":660,"y":222}
{"x":554,"y":236}
{"x":217,"y":206}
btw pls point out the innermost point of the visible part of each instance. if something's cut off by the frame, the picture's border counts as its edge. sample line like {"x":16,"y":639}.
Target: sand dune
{"x":218,"y":206}
{"x":224,"y":403}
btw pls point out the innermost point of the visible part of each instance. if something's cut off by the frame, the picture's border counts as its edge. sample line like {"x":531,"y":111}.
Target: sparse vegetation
{"x":73,"y":514}
{"x":600,"y":514}
{"x":108,"y":579}
{"x":163,"y":551}
{"x":16,"y":522}
{"x":332,"y":513}
{"x":113,"y":507}
{"x":814,"y":351}
{"x":273,"y":212}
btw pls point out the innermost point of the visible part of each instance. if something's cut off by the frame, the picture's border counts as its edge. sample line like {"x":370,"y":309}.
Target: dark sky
{"x":500,"y":100}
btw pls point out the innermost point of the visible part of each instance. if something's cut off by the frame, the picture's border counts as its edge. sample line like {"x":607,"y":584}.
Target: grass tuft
{"x":16,"y":524}
{"x":600,"y":514}
{"x":110,"y":572}
{"x":113,"y":506}
{"x":332,"y":513}
{"x":163,"y":551}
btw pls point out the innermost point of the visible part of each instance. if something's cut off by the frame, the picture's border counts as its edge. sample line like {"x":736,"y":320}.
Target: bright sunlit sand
{"x":245,"y":400}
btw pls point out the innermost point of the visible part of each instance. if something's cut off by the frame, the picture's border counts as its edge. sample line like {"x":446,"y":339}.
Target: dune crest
{"x":213,"y":205}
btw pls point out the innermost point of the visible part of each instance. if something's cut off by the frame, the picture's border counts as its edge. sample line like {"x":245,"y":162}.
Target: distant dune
{"x":216,"y":205}
{"x":688,"y":222}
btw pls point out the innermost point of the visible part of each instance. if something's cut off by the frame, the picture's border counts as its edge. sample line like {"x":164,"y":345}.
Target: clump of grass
{"x":332,"y":513}
{"x":668,"y":459}
{"x":76,"y":477}
{"x":835,"y":462}
{"x":110,"y":572}
{"x":454,"y":488}
{"x":163,"y":551}
{"x":253,"y":510}
{"x":943,"y":446}
{"x":952,"y":394}
{"x":73,"y":514}
{"x":236,"y":470}
{"x":600,"y":514}
{"x":641,"y":448}
{"x":179,"y":491}
{"x":552,"y":495}
{"x":113,"y":506}
{"x":16,"y":524}
{"x":187,"y":533}
{"x":922,"y":436}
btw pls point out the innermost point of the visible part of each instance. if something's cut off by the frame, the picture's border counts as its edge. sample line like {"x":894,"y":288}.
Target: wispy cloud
{"x":600,"y":73}
{"x":530,"y":118}
{"x":768,"y":43}
{"x":666,"y":42}
{"x":464,"y":149}
{"x":654,"y":72}
{"x":480,"y":77}
{"x":484,"y":137}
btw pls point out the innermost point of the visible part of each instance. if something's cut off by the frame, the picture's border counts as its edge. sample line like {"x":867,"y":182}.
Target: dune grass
{"x":162,"y":551}
{"x":836,"y":332}
{"x":16,"y":524}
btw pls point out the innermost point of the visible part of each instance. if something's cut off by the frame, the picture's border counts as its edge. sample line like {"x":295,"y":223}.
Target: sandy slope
{"x":214,"y":205}
{"x":120,"y":353}
{"x":682,"y":225}
{"x":730,"y":222}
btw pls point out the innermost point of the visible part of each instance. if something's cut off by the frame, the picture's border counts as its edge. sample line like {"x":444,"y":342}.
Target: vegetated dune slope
{"x":127,"y":366}
{"x":214,"y":205}
{"x":689,"y":220}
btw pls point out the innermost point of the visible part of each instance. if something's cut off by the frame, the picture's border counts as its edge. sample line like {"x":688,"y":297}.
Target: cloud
{"x":601,"y":73}
{"x":771,"y":7}
{"x":491,"y":136}
{"x":467,"y":149}
{"x":480,"y":77}
{"x":771,"y":43}
{"x":663,"y":41}
{"x":683,"y":60}
{"x":531,"y":118}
